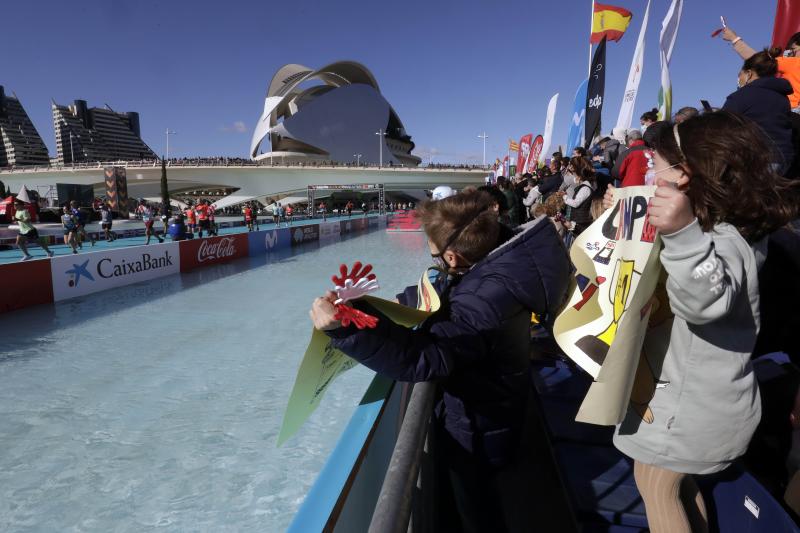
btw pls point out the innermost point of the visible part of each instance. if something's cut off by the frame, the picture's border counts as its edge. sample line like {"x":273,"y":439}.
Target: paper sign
{"x":602,"y":328}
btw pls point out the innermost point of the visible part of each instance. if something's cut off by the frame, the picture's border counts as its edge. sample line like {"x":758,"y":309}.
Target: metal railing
{"x":405,"y":500}
{"x":231,"y":162}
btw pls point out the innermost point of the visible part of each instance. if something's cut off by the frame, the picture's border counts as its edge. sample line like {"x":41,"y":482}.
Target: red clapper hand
{"x":350,"y":286}
{"x":347,"y":315}
{"x":355,"y":284}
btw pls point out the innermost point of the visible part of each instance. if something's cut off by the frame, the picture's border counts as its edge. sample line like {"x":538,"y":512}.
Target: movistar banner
{"x":578,"y":121}
{"x":81,"y":274}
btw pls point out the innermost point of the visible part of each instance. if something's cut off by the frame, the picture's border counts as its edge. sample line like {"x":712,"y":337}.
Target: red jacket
{"x":634,"y":166}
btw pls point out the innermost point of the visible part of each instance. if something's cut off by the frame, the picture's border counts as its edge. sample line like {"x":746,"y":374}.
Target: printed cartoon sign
{"x":322,"y":363}
{"x":603,"y":326}
{"x":77,"y":275}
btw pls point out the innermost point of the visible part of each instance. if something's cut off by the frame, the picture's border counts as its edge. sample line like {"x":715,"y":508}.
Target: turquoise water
{"x":156,"y":407}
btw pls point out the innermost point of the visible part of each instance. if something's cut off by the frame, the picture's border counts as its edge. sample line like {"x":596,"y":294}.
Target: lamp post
{"x":484,"y":137}
{"x":381,"y":134}
{"x":358,"y":159}
{"x":168,"y":133}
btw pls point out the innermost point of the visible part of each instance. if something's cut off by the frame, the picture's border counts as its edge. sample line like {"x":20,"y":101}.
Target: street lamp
{"x":484,"y":137}
{"x":168,"y":133}
{"x":381,"y":134}
{"x":358,"y":159}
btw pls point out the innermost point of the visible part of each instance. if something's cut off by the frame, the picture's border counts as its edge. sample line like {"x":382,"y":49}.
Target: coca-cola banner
{"x":78,"y":275}
{"x":303,"y":234}
{"x":25,"y":284}
{"x":211,"y":251}
{"x":262,"y":242}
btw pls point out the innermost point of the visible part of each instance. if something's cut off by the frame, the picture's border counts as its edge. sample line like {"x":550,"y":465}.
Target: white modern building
{"x":335,"y":114}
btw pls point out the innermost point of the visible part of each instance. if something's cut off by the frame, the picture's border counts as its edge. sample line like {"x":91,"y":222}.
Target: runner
{"x":281,"y":214}
{"x":70,"y":229}
{"x":165,"y":218}
{"x":190,"y":218}
{"x":364,"y":208}
{"x":80,"y":220}
{"x":324,"y":209}
{"x":147,"y":217}
{"x":349,"y":208}
{"x":289,"y":214}
{"x":202,"y":217}
{"x":27,"y":233}
{"x":212,"y":219}
{"x":106,"y":220}
{"x":248,"y":216}
{"x":276,"y":214}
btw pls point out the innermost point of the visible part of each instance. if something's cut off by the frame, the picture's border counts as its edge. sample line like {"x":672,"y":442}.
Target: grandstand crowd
{"x":726,"y":204}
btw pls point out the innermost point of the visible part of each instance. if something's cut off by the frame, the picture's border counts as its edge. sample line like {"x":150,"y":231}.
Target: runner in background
{"x":255,"y":215}
{"x":69,"y":225}
{"x":248,"y":216}
{"x":27,"y":233}
{"x":349,"y":208}
{"x":324,"y":210}
{"x":106,"y":220}
{"x":212,"y":219}
{"x":80,"y":220}
{"x":276,"y":213}
{"x":190,"y":218}
{"x":146,"y":213}
{"x":281,"y":215}
{"x":202,"y":217}
{"x":289,"y":213}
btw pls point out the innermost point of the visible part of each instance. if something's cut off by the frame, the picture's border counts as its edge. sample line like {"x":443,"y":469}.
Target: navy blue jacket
{"x":765,"y":101}
{"x":478,"y":343}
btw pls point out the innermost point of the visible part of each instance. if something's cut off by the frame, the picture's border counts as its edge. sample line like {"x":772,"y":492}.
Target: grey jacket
{"x":705,"y":405}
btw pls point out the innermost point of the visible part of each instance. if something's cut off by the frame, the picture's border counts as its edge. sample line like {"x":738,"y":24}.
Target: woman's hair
{"x":583,"y":169}
{"x":763,"y":63}
{"x":545,"y":171}
{"x":731,"y":174}
{"x":469,"y":216}
{"x":650,"y":116}
{"x":554,"y":205}
{"x":597,"y":208}
{"x":581,"y":150}
{"x":793,"y":40}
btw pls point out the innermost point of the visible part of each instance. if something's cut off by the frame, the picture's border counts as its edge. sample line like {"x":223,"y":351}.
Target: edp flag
{"x":595,"y":92}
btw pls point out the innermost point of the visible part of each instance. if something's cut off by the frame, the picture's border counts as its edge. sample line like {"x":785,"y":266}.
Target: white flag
{"x":669,"y":34}
{"x":548,"y":127}
{"x":634,"y":77}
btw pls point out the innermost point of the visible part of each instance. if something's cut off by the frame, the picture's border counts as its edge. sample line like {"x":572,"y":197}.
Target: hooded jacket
{"x":765,"y":101}
{"x":634,"y":165}
{"x":477,"y":343}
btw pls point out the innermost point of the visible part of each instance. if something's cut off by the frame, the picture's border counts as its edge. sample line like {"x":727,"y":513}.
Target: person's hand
{"x":670,"y":210}
{"x":728,"y":34}
{"x":608,"y":197}
{"x":322,"y":312}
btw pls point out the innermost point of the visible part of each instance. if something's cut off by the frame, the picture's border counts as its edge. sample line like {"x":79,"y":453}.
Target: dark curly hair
{"x":731,"y":174}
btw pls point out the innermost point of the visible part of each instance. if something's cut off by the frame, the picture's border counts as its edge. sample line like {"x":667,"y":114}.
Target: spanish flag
{"x":609,"y":22}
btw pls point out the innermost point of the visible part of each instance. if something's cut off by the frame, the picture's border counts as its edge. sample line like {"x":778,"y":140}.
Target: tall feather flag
{"x":578,"y":122}
{"x":634,"y":77}
{"x":669,"y":34}
{"x":524,"y":151}
{"x":548,"y":127}
{"x":609,"y":22}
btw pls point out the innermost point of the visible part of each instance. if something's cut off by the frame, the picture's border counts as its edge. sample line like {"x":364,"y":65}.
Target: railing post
{"x":393,"y":509}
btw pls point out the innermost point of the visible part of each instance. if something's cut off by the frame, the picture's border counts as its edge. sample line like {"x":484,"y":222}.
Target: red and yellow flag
{"x":512,"y":146}
{"x":609,"y":22}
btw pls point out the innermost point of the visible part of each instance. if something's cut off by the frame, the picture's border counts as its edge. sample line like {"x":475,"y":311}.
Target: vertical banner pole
{"x":591,"y":27}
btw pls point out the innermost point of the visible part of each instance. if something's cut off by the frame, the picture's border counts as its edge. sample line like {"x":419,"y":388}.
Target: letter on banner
{"x":614,"y":303}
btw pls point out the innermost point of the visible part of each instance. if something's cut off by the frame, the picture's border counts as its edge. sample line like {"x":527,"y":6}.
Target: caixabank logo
{"x":77,"y":275}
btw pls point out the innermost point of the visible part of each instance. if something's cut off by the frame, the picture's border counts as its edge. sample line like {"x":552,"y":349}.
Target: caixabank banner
{"x":81,"y":274}
{"x":303,"y":234}
{"x":262,"y":242}
{"x":25,"y":284}
{"x":211,"y":251}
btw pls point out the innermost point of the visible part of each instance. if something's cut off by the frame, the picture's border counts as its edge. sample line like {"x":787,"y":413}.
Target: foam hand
{"x":348,"y":315}
{"x":353,"y":291}
{"x":358,"y":271}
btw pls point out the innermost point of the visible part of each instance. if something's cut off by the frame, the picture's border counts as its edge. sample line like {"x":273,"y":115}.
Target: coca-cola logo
{"x":225,"y":247}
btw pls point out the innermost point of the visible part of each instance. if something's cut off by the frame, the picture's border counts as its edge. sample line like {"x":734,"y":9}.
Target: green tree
{"x":164,"y":188}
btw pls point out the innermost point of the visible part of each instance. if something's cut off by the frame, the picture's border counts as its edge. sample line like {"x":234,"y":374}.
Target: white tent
{"x":23,"y":195}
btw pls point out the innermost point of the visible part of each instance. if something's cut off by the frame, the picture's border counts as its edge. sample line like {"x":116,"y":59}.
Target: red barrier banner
{"x":211,"y":251}
{"x":25,"y":284}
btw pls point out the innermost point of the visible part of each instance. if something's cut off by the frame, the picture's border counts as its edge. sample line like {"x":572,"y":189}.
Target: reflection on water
{"x":157,"y":406}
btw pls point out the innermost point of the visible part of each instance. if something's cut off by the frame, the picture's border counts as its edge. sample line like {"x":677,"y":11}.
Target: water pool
{"x":156,"y":407}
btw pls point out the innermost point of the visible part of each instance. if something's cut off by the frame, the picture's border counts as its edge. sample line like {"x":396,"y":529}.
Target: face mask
{"x":439,"y":263}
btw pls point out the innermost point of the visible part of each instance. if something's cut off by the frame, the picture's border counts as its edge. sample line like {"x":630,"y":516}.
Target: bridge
{"x":250,"y":179}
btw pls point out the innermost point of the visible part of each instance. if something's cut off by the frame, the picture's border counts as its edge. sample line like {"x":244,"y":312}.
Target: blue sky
{"x":451,"y":69}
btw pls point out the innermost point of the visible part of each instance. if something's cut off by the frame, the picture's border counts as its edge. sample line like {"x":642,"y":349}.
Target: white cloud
{"x":236,"y":127}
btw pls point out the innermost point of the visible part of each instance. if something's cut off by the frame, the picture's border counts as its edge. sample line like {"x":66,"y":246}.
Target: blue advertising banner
{"x":578,"y":121}
{"x":262,"y":242}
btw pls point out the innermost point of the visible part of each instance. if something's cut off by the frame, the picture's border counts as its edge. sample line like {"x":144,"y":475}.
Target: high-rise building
{"x":85,"y":134}
{"x":21,"y":144}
